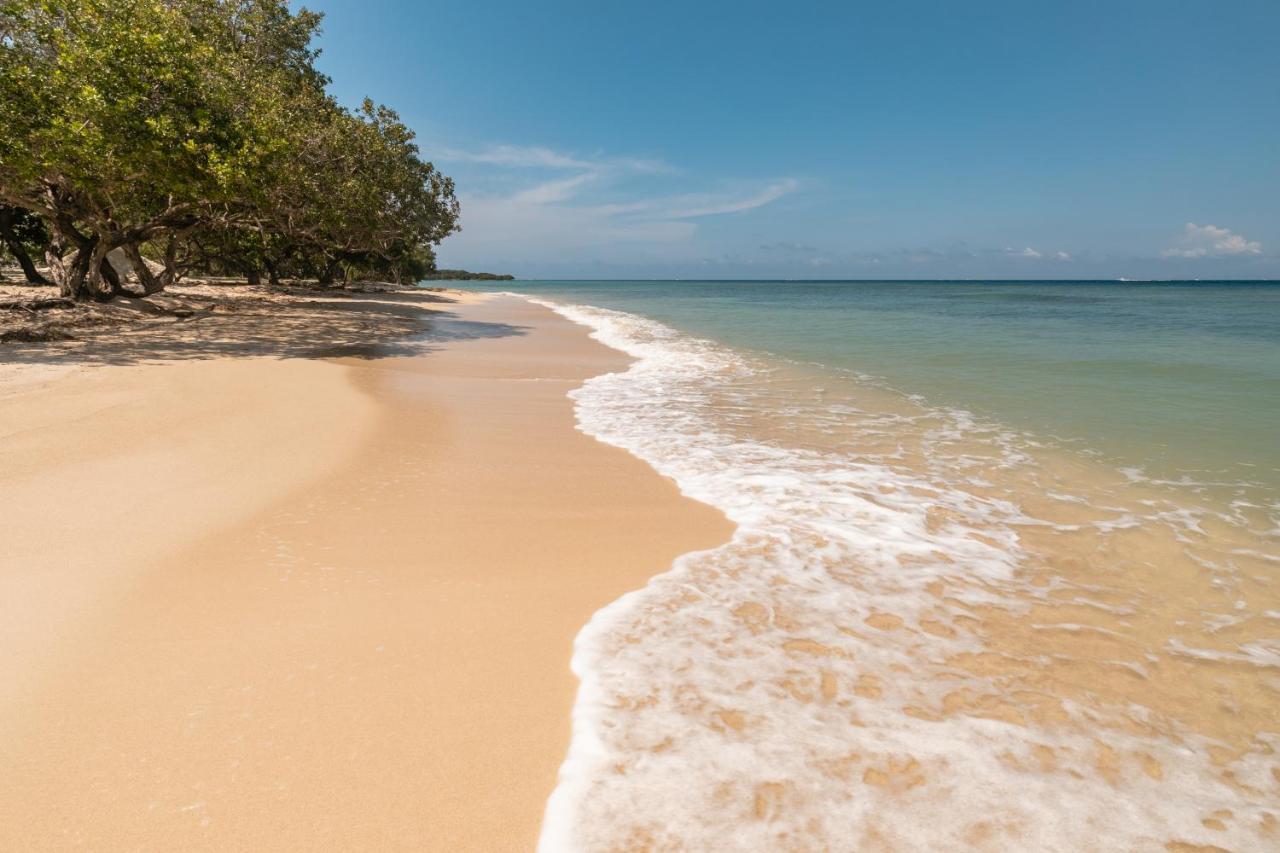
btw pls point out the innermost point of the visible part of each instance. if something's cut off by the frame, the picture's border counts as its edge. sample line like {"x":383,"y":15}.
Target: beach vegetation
{"x":22,"y":236}
{"x":466,"y":275}
{"x":185,"y":135}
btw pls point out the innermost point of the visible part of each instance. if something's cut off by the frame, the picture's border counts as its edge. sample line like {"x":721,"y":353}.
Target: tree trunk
{"x":150,"y":283}
{"x":70,"y":271}
{"x":326,"y":275}
{"x":57,"y":266}
{"x":111,"y":277}
{"x":170,"y":274}
{"x":273,"y":274}
{"x":71,"y":274}
{"x":96,"y":285}
{"x":253,"y":276}
{"x":19,"y":252}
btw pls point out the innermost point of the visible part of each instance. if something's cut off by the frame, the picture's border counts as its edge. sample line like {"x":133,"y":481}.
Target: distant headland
{"x":464,"y":275}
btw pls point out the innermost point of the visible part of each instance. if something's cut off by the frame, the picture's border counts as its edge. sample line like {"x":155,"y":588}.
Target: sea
{"x":1005,"y":575}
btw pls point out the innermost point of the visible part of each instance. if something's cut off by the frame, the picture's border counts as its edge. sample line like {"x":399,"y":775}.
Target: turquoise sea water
{"x":1179,"y":380}
{"x":1002,"y":575}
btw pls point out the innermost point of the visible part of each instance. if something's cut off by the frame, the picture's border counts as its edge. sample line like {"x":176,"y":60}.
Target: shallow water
{"x":1178,"y":380}
{"x":936,"y":627}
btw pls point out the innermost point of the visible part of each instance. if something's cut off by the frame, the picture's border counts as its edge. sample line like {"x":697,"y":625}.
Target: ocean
{"x":1006,"y":572}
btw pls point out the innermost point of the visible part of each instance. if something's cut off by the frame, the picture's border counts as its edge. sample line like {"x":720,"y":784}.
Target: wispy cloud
{"x":592,"y":203}
{"x":522,"y":156}
{"x":1199,"y":241}
{"x":691,"y":207}
{"x":1035,"y":254}
{"x":783,"y":246}
{"x":552,"y":192}
{"x":948,"y":260}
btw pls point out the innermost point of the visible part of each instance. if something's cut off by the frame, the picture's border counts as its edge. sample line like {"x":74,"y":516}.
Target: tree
{"x":23,"y":233}
{"x":200,"y":132}
{"x":127,"y":122}
{"x":358,"y":195}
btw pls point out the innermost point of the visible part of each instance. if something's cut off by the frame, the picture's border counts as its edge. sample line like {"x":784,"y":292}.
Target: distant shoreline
{"x":464,"y":275}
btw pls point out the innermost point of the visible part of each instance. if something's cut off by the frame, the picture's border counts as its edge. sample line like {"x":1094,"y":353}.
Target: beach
{"x":360,"y":568}
{"x":932,"y":629}
{"x":646,"y":440}
{"x":274,"y":586}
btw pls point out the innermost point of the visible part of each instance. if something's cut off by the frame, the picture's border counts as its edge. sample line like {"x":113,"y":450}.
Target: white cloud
{"x":784,"y":246}
{"x":597,"y":202}
{"x":513,"y":156}
{"x":1035,"y":254}
{"x":553,"y":191}
{"x":523,"y":157}
{"x":691,"y":207}
{"x":530,"y":225}
{"x":1199,"y":241}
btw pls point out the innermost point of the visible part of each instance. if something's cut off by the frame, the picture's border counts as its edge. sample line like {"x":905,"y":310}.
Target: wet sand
{"x":261,"y":603}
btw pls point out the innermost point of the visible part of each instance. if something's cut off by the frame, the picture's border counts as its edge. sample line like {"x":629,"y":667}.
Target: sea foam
{"x":797,"y":688}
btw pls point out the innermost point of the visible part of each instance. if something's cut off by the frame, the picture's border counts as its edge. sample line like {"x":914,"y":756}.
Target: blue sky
{"x":837,"y":140}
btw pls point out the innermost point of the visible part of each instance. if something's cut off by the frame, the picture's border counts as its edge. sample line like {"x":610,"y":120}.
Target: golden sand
{"x":302,"y":603}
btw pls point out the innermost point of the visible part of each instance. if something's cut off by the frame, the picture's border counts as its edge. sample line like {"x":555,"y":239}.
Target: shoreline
{"x":379,"y":656}
{"x":358,"y":629}
{"x":917,"y":636}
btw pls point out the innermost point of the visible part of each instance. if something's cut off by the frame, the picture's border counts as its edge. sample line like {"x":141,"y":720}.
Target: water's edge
{"x":687,"y":715}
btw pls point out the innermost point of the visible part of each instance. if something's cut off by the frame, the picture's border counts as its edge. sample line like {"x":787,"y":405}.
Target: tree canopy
{"x":200,"y":133}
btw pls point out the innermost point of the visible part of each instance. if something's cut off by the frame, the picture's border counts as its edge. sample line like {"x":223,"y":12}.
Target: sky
{"x":1030,"y":139}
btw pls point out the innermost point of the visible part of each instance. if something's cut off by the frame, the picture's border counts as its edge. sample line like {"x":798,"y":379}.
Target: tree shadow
{"x":186,"y":326}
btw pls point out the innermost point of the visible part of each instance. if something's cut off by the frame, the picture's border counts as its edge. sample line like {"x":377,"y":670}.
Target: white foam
{"x":1261,"y":654}
{"x":720,"y":706}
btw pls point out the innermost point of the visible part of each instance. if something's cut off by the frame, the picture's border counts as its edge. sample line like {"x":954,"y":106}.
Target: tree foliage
{"x":199,"y":132}
{"x":23,"y":234}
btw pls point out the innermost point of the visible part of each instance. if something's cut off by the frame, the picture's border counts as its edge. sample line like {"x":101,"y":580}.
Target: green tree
{"x":200,"y":132}
{"x":22,"y":234}
{"x":128,"y":121}
{"x":358,"y":195}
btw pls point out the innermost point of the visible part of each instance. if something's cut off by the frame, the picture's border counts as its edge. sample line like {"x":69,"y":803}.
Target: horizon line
{"x":918,"y":280}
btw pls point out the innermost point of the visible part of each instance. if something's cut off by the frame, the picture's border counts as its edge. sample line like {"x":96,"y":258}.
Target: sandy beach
{"x":269,"y":585}
{"x":848,"y":427}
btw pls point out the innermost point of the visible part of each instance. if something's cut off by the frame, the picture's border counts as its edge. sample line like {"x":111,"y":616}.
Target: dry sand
{"x":264,"y":593}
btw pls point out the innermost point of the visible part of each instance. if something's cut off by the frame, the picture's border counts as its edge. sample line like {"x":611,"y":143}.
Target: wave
{"x":836,"y":676}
